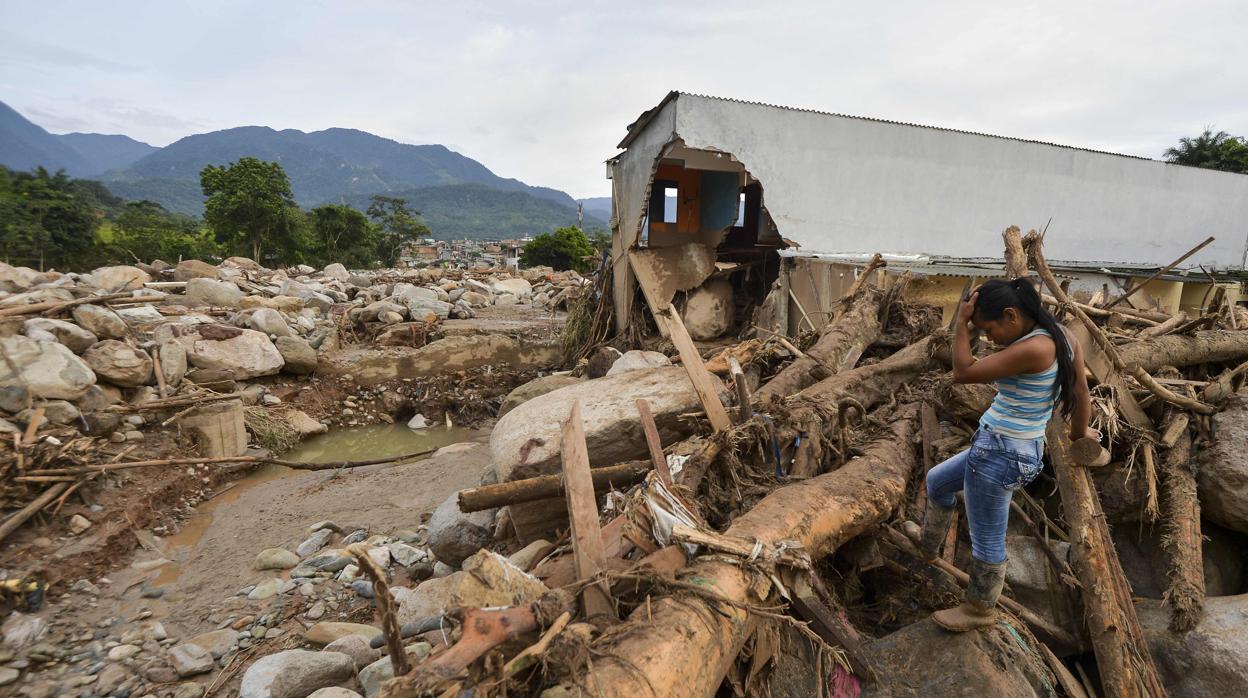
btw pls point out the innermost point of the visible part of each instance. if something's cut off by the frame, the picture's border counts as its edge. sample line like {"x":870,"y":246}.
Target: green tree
{"x":1215,"y":151}
{"x":145,"y":230}
{"x":251,"y":210}
{"x":45,"y":221}
{"x":342,"y":234}
{"x":565,"y":248}
{"x":398,"y":226}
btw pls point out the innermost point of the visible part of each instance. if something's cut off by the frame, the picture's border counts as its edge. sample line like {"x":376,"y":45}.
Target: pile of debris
{"x":680,"y":523}
{"x":671,"y":536}
{"x":98,"y":359}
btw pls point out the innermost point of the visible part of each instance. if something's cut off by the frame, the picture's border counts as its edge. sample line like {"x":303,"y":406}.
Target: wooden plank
{"x":1159,"y":272}
{"x":703,"y":382}
{"x":650,"y":286}
{"x":583,"y":514}
{"x":653,"y":442}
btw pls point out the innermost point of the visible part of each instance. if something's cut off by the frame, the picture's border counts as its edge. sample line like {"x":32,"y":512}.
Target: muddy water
{"x":350,"y":444}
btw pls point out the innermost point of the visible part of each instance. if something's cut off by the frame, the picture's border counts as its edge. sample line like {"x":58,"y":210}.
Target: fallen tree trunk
{"x":684,"y":646}
{"x":876,"y":382}
{"x":1122,"y":655}
{"x":836,"y":350}
{"x":1182,"y":540}
{"x":1208,"y":346}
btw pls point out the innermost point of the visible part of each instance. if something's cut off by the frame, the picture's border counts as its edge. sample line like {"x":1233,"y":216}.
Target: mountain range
{"x":456,"y":195}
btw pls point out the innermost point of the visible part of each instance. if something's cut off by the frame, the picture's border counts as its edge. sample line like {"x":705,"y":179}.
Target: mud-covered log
{"x":683,"y":647}
{"x":1122,"y":656}
{"x":549,"y":486}
{"x":837,"y":349}
{"x":876,"y":382}
{"x":1182,"y":540}
{"x":1208,"y":346}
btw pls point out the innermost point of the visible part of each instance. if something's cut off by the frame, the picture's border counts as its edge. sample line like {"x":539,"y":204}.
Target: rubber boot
{"x":979,"y":610}
{"x":931,"y":536}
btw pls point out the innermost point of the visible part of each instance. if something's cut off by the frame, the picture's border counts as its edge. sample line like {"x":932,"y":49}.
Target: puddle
{"x":348,"y":444}
{"x":376,"y":441}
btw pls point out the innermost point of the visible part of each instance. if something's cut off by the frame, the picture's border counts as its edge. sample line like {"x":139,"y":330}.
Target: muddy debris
{"x":637,"y":515}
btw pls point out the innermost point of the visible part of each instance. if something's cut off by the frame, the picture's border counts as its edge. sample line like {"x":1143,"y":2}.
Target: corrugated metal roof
{"x":640,"y":123}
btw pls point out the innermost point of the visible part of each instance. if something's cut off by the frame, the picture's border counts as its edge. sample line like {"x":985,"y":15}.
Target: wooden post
{"x":583,"y":514}
{"x":1159,"y":272}
{"x":1122,"y":653}
{"x":703,"y":382}
{"x":652,"y":440}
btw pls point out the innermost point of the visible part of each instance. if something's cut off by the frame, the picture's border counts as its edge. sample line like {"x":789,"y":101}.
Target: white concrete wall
{"x":842,"y":184}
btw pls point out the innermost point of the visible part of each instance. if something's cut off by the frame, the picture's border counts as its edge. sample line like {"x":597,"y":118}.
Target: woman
{"x":1038,"y":369}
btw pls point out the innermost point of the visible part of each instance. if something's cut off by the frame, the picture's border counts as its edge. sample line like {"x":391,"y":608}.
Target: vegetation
{"x":251,"y":210}
{"x":481,"y":212}
{"x":342,"y":234}
{"x":1214,"y":151}
{"x":565,"y":248}
{"x":397,"y":227}
{"x":144,"y":230}
{"x":48,"y":220}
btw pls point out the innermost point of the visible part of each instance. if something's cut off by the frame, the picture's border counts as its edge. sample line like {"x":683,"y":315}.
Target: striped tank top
{"x":1024,"y":403}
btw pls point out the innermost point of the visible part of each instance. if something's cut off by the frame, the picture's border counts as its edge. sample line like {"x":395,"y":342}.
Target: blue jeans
{"x":989,"y":471}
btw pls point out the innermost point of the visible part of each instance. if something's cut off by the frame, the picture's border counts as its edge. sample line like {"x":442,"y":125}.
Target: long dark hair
{"x":998,"y":294}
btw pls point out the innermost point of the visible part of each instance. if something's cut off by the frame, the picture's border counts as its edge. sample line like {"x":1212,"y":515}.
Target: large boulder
{"x":173,"y":362}
{"x":369,"y":365}
{"x":212,"y":292}
{"x":538,"y":386}
{"x":47,"y":369}
{"x":295,"y":674}
{"x":637,"y":360}
{"x":421,"y":302}
{"x":709,"y":310}
{"x":337,"y":272}
{"x":100,"y":321}
{"x":189,"y":269}
{"x":455,"y":535}
{"x":525,"y":442}
{"x":516,"y":287}
{"x":269,"y":322}
{"x":119,"y":363}
{"x":1146,"y":565}
{"x":923,"y":659}
{"x":298,"y":355}
{"x":16,"y":279}
{"x":1222,"y":480}
{"x":487,"y":579}
{"x":67,"y":333}
{"x":242,"y":353}
{"x":118,"y":279}
{"x":1209,"y":661}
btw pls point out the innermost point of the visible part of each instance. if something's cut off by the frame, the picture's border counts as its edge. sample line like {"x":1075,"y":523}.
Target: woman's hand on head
{"x":967,"y":311}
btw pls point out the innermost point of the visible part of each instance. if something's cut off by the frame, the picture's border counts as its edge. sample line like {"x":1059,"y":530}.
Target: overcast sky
{"x":542,"y":91}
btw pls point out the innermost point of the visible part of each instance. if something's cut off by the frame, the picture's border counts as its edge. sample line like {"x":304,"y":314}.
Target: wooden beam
{"x":1159,"y":272}
{"x":703,"y":382}
{"x":583,"y":514}
{"x":653,"y":443}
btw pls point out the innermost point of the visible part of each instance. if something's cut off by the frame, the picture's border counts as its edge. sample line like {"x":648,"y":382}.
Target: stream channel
{"x":347,"y":444}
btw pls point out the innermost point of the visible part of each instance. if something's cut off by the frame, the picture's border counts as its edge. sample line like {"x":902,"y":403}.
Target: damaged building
{"x":719,"y":202}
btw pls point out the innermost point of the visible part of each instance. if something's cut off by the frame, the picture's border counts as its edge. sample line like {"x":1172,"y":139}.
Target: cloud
{"x":541,"y":90}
